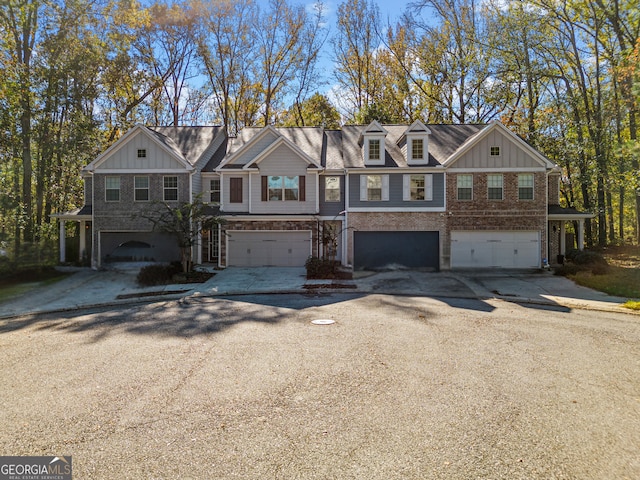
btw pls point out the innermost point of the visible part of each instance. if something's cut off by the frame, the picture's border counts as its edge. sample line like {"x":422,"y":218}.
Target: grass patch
{"x":22,"y":282}
{"x":617,"y":274}
{"x":618,"y":281}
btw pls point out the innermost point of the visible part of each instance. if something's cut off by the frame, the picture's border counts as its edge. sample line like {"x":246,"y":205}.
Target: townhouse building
{"x":432,"y":197}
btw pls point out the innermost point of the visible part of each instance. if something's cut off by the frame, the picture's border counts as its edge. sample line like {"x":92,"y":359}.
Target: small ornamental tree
{"x":186,"y":222}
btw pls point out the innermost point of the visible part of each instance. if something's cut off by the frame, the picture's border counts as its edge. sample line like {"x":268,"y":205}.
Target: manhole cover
{"x":323,"y":321}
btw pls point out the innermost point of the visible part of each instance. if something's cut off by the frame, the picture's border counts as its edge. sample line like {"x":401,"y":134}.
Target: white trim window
{"x":494,"y":151}
{"x":112,"y":189}
{"x":417,"y":149}
{"x":142,"y":153}
{"x":374,"y":149}
{"x":332,"y":189}
{"x":141,"y":189}
{"x":214,"y":190}
{"x":495,"y":182}
{"x":417,"y":187}
{"x":525,"y":186}
{"x":170,"y":189}
{"x":374,"y":188}
{"x":464,"y":186}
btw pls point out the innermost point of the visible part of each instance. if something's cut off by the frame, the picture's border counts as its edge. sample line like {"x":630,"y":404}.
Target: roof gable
{"x":243,"y":149}
{"x":281,"y":141}
{"x":120,"y":156}
{"x":513,"y":152}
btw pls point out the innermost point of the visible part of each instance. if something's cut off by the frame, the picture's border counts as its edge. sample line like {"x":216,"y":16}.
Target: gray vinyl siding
{"x":225,"y":182}
{"x":331,"y":208}
{"x":396,"y":193}
{"x":283,"y":162}
{"x":254,"y":150}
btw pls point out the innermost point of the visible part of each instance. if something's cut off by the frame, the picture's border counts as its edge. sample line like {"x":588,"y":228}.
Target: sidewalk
{"x":87,"y":288}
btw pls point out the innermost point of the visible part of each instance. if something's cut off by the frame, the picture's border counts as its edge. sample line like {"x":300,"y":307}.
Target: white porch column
{"x":63,"y":241}
{"x":581,"y":234}
{"x":83,"y":239}
{"x":563,"y":238}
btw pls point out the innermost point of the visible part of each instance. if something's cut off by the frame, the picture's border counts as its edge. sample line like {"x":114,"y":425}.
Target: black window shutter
{"x":302,"y":194}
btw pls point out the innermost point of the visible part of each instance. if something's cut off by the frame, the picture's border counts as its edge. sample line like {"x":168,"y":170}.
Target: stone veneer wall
{"x":394,"y":222}
{"x":266,"y":225}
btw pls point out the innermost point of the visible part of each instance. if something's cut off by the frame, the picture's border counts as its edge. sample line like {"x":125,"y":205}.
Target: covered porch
{"x":558,"y":218}
{"x":83,"y":218}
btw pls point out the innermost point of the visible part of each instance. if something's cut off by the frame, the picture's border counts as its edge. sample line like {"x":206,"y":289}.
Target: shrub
{"x":586,"y":257}
{"x":567,"y":269}
{"x":157,"y":274}
{"x":319,"y":267}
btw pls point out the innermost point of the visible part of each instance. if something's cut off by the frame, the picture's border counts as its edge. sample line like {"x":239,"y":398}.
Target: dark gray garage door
{"x":383,"y":250}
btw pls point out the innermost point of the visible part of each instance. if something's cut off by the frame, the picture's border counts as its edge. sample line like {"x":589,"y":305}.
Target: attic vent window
{"x":142,"y":153}
{"x":494,"y":151}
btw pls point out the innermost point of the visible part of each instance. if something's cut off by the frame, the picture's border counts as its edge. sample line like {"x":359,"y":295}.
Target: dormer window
{"x":417,"y":149}
{"x":372,"y":140}
{"x":374,"y":149}
{"x":415,"y":144}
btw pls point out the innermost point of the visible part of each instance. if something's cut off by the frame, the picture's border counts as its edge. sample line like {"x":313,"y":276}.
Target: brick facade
{"x":127,"y":215}
{"x":510,"y":213}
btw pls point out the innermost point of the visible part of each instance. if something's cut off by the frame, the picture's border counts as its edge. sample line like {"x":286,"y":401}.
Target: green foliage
{"x":186,"y":221}
{"x":317,"y":111}
{"x":585,"y":257}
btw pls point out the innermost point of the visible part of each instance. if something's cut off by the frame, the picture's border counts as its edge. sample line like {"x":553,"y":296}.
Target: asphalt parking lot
{"x":398,"y":387}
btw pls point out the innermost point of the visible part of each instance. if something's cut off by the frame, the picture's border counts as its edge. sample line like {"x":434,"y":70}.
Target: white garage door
{"x":505,"y":249}
{"x":271,"y":249}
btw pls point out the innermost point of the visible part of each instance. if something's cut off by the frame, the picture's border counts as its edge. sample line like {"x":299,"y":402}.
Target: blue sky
{"x":390,"y":11}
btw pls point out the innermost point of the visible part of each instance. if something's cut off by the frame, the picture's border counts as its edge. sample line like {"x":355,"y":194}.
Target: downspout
{"x":345,"y":229}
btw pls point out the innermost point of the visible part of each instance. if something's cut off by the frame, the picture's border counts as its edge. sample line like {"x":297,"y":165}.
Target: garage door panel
{"x":502,"y":249}
{"x":258,"y":248}
{"x":410,"y":249}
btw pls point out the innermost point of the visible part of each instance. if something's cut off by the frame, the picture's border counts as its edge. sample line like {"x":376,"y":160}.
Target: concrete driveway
{"x":86,"y":288}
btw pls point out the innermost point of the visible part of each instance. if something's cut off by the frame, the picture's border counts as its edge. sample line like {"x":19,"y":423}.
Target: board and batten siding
{"x":511,"y":154}
{"x":126,"y":157}
{"x":396,"y":192}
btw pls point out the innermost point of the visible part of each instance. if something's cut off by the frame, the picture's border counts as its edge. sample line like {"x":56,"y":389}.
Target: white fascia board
{"x":113,"y":148}
{"x":473,"y":140}
{"x":230,"y":157}
{"x":268,"y":218}
{"x":497,"y":170}
{"x":395,"y":209}
{"x":127,"y":138}
{"x":282,"y":141}
{"x":137,"y":171}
